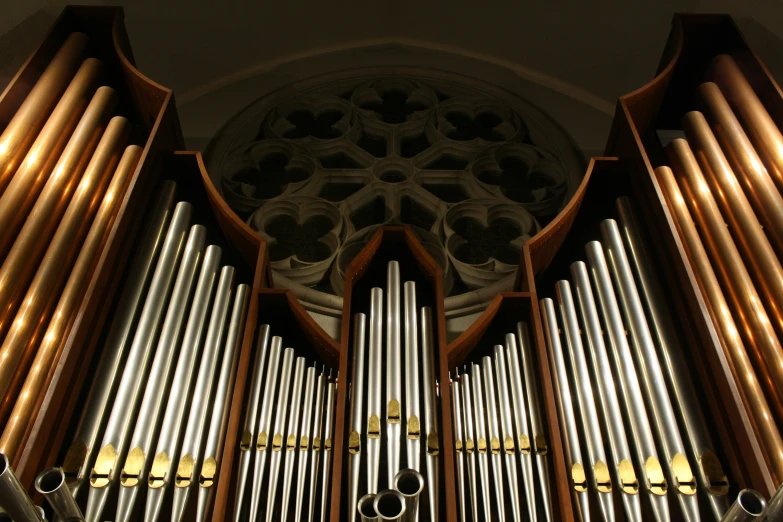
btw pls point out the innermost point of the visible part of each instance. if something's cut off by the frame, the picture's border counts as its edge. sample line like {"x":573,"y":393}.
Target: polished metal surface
{"x":134,"y":376}
{"x":393,"y":371}
{"x":708,"y":469}
{"x":653,"y":482}
{"x":481,"y":439}
{"x":374,"y":380}
{"x":621,"y":459}
{"x":278,"y":440}
{"x":429,"y":385}
{"x":305,"y":441}
{"x":508,"y":444}
{"x":292,"y":440}
{"x":413,"y":418}
{"x":749,"y":506}
{"x":83,"y":449}
{"x":774,"y":510}
{"x":459,"y":446}
{"x":410,"y":483}
{"x":575,"y":462}
{"x":470,"y":442}
{"x":357,"y":421}
{"x":494,"y":441}
{"x":389,"y":504}
{"x":366,"y":509}
{"x":52,"y":485}
{"x":328,"y":430}
{"x":13,"y":496}
{"x":320,"y":389}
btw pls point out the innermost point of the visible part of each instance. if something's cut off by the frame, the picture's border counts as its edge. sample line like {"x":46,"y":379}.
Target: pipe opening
{"x":751,"y":502}
{"x":50,"y":480}
{"x":366,"y":508}
{"x":389,"y":506}
{"x":409,"y":484}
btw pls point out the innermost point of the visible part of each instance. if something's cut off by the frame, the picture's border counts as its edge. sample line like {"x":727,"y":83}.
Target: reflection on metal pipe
{"x":481,"y":439}
{"x":83,"y":449}
{"x":410,"y":483}
{"x":393,"y":371}
{"x":278,"y":442}
{"x":13,"y":496}
{"x":745,"y":162}
{"x":23,"y":128}
{"x":292,"y":441}
{"x":621,"y":466}
{"x":205,"y":464}
{"x":774,"y":510}
{"x":246,"y":452}
{"x":509,"y":448}
{"x":494,"y":436}
{"x":25,"y":332}
{"x":317,"y":445}
{"x":126,"y":402}
{"x":49,"y":347}
{"x":429,"y":386}
{"x":750,"y":505}
{"x":735,"y":350}
{"x":374,"y":380}
{"x":764,"y":133}
{"x":34,"y":171}
{"x":467,"y":412}
{"x":305,"y":440}
{"x":412,"y":401}
{"x":574,"y":449}
{"x":51,"y":484}
{"x":653,"y":483}
{"x":459,"y":437}
{"x":709,"y":471}
{"x":357,"y":398}
{"x":389,"y":505}
{"x":366,"y":508}
{"x":328,"y":430}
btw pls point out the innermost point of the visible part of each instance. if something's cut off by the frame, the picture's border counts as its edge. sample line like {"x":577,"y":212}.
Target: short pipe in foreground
{"x":750,"y":505}
{"x":389,"y":504}
{"x":51,"y":484}
{"x":13,"y":496}
{"x":366,"y":508}
{"x":410,"y":483}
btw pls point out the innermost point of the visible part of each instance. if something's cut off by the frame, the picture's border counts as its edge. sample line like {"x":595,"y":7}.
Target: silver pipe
{"x":52,"y":485}
{"x":138,"y":459}
{"x":774,"y":510}
{"x":481,"y":439}
{"x":664,"y":419}
{"x":292,"y":441}
{"x":578,"y":475}
{"x":598,"y":471}
{"x":134,"y":376}
{"x":374,"y":380}
{"x":750,"y":505}
{"x":257,"y":428}
{"x":412,"y":400}
{"x":278,"y":440}
{"x":709,"y":470}
{"x":459,"y":437}
{"x":621,"y":460}
{"x":393,"y":371}
{"x":494,"y":437}
{"x":534,"y":447}
{"x":195,"y":430}
{"x":328,"y":427}
{"x":654,"y":483}
{"x":42,"y":513}
{"x":366,"y":509}
{"x":168,"y":445}
{"x":13,"y":497}
{"x":470,"y":445}
{"x":389,"y":505}
{"x":305,"y":441}
{"x":429,"y":385}
{"x":263,"y":426}
{"x":317,"y":445}
{"x":410,"y":483}
{"x":507,"y":428}
{"x":357,"y":396}
{"x":81,"y":454}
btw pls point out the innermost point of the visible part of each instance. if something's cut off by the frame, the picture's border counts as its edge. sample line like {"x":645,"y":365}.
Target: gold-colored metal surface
{"x":758,"y":407}
{"x":373,"y":427}
{"x":160,"y":466}
{"x":23,"y":128}
{"x":208,"y":470}
{"x":495,"y":445}
{"x":602,"y":479}
{"x":683,"y":474}
{"x":48,"y":354}
{"x":541,"y":444}
{"x":328,"y":445}
{"x":104,"y":464}
{"x":277,"y":442}
{"x":29,"y":245}
{"x":74,"y":460}
{"x":433,"y":444}
{"x":655,"y":478}
{"x":34,"y":171}
{"x":628,"y":481}
{"x":524,"y":444}
{"x":291,"y":443}
{"x":414,"y":430}
{"x":469,"y":447}
{"x":303,"y":443}
{"x":262,"y":441}
{"x":508,"y":445}
{"x":316,"y":443}
{"x":244,"y":441}
{"x":134,"y":463}
{"x":184,"y":475}
{"x":579,"y":478}
{"x":458,"y":446}
{"x":354,"y":443}
{"x":765,"y":135}
{"x":393,"y":412}
{"x":482,"y":445}
{"x":713,"y":470}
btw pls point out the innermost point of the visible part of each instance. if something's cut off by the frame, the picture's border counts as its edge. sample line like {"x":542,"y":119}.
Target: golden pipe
{"x":17,"y":348}
{"x":763,"y":131}
{"x":27,"y":182}
{"x":23,"y":128}
{"x":759,"y":187}
{"x":749,"y":235}
{"x":758,"y":407}
{"x":28,"y":247}
{"x":36,"y":383}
